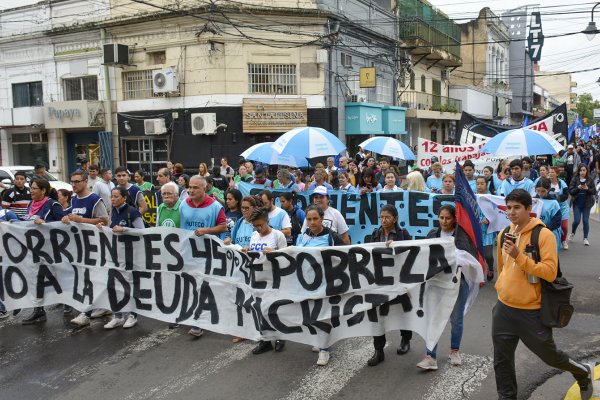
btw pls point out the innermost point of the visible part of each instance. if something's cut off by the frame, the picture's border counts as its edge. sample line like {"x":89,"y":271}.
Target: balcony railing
{"x":430,"y":102}
{"x":411,"y":28}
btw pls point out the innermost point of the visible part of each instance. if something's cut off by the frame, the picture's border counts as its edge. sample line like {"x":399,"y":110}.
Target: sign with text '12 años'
{"x":273,"y":115}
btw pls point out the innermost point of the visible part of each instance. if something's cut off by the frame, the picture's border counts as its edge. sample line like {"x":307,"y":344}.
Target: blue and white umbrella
{"x":264,"y":152}
{"x":388,"y":146}
{"x":308,"y":142}
{"x":521,"y":142}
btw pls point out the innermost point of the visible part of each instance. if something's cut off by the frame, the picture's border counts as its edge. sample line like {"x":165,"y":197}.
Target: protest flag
{"x":468,"y":236}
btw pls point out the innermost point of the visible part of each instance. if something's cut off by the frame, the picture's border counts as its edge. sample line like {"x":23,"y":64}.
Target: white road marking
{"x":320,"y":383}
{"x":459,"y":382}
{"x":196,"y":373}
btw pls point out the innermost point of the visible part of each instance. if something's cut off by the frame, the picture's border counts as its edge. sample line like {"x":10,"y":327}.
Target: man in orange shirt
{"x":516,"y":316}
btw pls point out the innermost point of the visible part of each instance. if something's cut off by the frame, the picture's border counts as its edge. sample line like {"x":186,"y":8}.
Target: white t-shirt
{"x":275,"y":240}
{"x":446,"y":234}
{"x":333,"y":220}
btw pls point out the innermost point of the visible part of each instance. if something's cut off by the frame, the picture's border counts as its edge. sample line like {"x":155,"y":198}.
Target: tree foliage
{"x":585,"y":106}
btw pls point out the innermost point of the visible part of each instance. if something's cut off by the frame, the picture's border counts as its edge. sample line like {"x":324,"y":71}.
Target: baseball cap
{"x":570,"y":146}
{"x":321,"y":190}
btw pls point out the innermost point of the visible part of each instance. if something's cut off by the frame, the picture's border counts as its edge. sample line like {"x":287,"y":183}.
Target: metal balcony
{"x":429,"y":102}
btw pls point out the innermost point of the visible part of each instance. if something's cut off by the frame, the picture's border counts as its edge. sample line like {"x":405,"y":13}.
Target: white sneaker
{"x":115,"y":322}
{"x":565,"y":245}
{"x":571,"y":237}
{"x":196,"y":332}
{"x":454,"y":357}
{"x":130,"y":322}
{"x":81,"y":320}
{"x":586,"y":242}
{"x":315,"y":349}
{"x":428,"y":363}
{"x":323,"y":358}
{"x":99,"y":313}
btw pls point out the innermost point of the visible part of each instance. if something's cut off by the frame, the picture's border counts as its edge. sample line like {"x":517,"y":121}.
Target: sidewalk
{"x":554,"y":388}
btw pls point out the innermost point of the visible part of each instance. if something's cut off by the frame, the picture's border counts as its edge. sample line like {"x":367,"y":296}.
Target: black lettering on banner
{"x":152,"y":251}
{"x":75,"y":232}
{"x":108,"y":246}
{"x":45,"y":278}
{"x":405,"y":273}
{"x":88,"y":288}
{"x":169,"y":239}
{"x":358,"y":266}
{"x":380,"y":262}
{"x":244,"y":304}
{"x":347,"y":208}
{"x":59,"y":246}
{"x":368,"y":208}
{"x":221,"y":256}
{"x":203,"y":254}
{"x":114,"y":276}
{"x":17,"y":259}
{"x":88,"y":247}
{"x":189,"y":289}
{"x":420,"y":312}
{"x":158,"y":290}
{"x":307,"y":258}
{"x":127,"y":241}
{"x":349,"y":307}
{"x":310,"y":317}
{"x":335,"y":310}
{"x":414,"y":198}
{"x":264,"y":325}
{"x":403,"y":300}
{"x":36,"y":249}
{"x":438,"y":201}
{"x":391,"y":197}
{"x":207,"y":302}
{"x":11,"y":272}
{"x":277,"y":270}
{"x":375,"y":300}
{"x":335,"y":273}
{"x":437,"y":261}
{"x":254,"y":268}
{"x":138,"y":293}
{"x":276,"y":321}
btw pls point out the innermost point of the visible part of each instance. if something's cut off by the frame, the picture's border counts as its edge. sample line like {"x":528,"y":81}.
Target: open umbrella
{"x":263,"y":152}
{"x":308,"y":142}
{"x":388,"y":146}
{"x":521,"y":142}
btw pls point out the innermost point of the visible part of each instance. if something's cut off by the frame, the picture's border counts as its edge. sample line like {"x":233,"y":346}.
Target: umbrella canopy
{"x":521,"y":142}
{"x":263,"y":152}
{"x":388,"y":146}
{"x":308,"y":142}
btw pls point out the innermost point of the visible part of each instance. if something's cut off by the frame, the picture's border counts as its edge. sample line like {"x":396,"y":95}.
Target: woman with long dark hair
{"x":583,"y":192}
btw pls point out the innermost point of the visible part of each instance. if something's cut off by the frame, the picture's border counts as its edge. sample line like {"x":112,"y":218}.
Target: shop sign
{"x":273,"y":115}
{"x":74,"y":114}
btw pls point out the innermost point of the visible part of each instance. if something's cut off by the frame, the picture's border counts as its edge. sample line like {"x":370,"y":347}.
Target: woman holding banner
{"x":368,"y":182}
{"x":318,"y":235}
{"x":243,"y":229}
{"x":390,"y":181}
{"x":447,"y":220}
{"x":389,"y":232}
{"x":561,"y":189}
{"x":122,"y":218}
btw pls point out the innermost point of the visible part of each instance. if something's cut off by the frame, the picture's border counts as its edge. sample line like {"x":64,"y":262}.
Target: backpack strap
{"x":535,"y":238}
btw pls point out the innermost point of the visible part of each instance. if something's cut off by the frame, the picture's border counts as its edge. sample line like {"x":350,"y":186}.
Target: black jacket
{"x":590,"y":198}
{"x":379,"y":236}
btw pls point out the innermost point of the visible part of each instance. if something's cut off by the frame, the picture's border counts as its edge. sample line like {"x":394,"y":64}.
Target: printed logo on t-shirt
{"x":258,"y":246}
{"x":169,"y":223}
{"x":194,"y":224}
{"x":327,"y":223}
{"x":79,"y":211}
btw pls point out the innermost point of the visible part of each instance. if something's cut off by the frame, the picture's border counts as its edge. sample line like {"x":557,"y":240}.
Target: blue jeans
{"x":456,"y":318}
{"x":578,"y":214}
{"x":2,"y":308}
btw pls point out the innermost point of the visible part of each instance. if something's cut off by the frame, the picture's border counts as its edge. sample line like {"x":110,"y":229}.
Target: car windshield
{"x":31,"y":173}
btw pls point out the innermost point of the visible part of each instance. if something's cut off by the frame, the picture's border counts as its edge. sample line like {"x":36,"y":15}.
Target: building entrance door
{"x":82,"y":146}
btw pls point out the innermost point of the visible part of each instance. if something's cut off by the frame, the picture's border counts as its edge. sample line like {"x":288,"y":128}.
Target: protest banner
{"x":417,"y":211}
{"x":494,"y":209}
{"x":315,"y":296}
{"x":149,"y":216}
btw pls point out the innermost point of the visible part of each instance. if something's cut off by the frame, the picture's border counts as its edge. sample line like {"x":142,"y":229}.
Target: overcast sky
{"x":569,"y":53}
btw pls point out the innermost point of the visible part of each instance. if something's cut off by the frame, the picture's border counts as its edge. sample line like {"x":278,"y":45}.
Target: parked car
{"x":7,"y":177}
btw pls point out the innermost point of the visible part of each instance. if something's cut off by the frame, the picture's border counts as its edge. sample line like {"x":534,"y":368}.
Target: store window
{"x":384,"y":91}
{"x":412,"y":81}
{"x":30,"y":148}
{"x":272,"y":78}
{"x":84,"y":88}
{"x":423,"y":84}
{"x":27,"y":94}
{"x":147,"y":154}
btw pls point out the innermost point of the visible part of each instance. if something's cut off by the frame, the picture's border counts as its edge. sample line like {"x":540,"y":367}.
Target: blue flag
{"x":525,"y":121}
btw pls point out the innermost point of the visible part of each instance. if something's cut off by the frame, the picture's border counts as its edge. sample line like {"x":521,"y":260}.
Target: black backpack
{"x":556,"y":308}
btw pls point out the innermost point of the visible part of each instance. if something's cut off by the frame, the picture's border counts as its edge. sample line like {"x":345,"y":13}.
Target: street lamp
{"x":591,"y":30}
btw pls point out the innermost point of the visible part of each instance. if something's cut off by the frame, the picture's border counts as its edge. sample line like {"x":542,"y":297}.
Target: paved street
{"x":55,"y":361}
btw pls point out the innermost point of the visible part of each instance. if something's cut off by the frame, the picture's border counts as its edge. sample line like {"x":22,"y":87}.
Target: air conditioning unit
{"x":116,"y":54}
{"x":352,"y":98}
{"x":445,"y":74}
{"x":155,"y":126}
{"x":346,"y":60}
{"x":165,"y":81}
{"x":322,"y":56}
{"x":204,"y":124}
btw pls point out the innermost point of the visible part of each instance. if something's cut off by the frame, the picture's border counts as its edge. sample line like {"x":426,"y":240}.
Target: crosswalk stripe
{"x":321,"y":383}
{"x":459,"y":382}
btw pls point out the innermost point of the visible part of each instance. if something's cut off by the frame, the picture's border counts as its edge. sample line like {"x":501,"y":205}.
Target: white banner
{"x":494,"y":209}
{"x":448,"y":155}
{"x":315,"y":296}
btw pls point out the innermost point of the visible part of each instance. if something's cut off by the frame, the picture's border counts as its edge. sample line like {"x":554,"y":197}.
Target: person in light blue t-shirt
{"x":434,"y":181}
{"x":517,"y":180}
{"x":469,"y":170}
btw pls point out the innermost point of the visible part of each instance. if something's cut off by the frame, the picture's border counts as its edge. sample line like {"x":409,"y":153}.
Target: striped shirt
{"x":16,"y":200}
